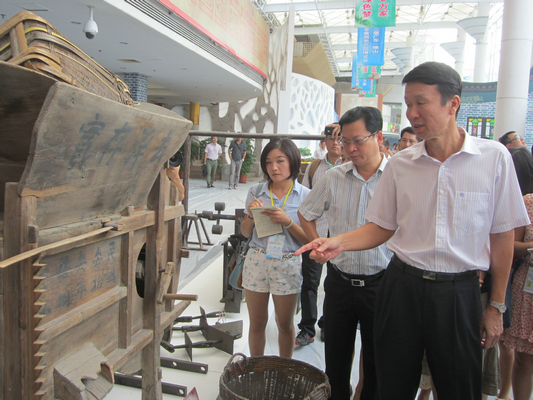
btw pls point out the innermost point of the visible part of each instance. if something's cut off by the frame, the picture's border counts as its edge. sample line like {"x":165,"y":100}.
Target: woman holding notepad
{"x":270,"y":266}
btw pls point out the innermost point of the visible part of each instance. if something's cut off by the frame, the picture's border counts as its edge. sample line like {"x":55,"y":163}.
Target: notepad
{"x":263,"y":224}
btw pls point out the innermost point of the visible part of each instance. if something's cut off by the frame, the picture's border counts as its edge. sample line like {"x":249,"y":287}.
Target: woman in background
{"x":520,"y":335}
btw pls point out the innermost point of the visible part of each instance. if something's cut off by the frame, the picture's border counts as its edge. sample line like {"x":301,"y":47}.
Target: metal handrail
{"x":187,"y":149}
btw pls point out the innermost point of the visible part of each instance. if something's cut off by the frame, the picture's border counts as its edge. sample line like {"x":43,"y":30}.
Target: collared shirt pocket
{"x":470,"y":212}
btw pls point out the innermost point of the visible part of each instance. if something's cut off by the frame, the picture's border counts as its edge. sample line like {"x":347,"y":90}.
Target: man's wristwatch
{"x":498,"y":306}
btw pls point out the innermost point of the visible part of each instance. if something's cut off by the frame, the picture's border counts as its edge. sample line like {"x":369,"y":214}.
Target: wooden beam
{"x":18,"y":308}
{"x":127,"y":279}
{"x":151,"y":312}
{"x":63,"y":245}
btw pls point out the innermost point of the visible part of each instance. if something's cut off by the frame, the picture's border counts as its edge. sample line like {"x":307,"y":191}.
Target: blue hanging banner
{"x":371,"y":46}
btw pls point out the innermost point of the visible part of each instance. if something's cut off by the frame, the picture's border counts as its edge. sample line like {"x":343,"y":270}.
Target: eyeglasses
{"x":356,"y":142}
{"x":330,"y":138}
{"x":515,"y":138}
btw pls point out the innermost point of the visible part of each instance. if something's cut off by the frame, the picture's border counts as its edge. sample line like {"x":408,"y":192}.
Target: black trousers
{"x":311,"y":272}
{"x":414,"y":313}
{"x":345,"y":306}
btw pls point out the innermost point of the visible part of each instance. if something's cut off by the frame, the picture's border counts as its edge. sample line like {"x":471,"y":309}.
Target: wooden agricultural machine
{"x":82,"y":191}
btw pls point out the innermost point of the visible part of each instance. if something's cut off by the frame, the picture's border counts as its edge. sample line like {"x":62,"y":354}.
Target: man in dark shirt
{"x":237,"y":153}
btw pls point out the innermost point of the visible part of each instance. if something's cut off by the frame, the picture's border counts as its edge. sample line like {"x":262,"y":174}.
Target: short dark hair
{"x":505,"y":138}
{"x":523,"y":164}
{"x":408,"y":130}
{"x":287,"y":147}
{"x":447,"y":79}
{"x":386,"y":142}
{"x":371,"y":116}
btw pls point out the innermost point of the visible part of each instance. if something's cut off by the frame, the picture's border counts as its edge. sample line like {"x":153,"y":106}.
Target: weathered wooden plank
{"x":173,"y":246}
{"x":51,"y":235}
{"x":79,"y":376}
{"x":85,"y":164}
{"x":180,"y":296}
{"x":27,"y":219}
{"x":78,"y":315}
{"x":128,"y":259}
{"x":101,"y":329}
{"x":74,"y":277}
{"x":175,"y":239}
{"x":68,"y":243}
{"x":155,"y":260}
{"x":12,"y":383}
{"x":20,"y":103}
{"x":11,"y":280}
{"x":136,"y":222}
{"x":164,"y":282}
{"x":139,"y":341}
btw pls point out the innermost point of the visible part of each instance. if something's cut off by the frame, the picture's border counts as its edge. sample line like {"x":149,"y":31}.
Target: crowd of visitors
{"x":427,"y":246}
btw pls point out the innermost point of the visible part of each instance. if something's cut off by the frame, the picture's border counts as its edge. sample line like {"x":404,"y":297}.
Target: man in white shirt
{"x":385,"y":148}
{"x":449,"y":206}
{"x":212,"y":153}
{"x":321,"y":151}
{"x":353,"y":277}
{"x":311,"y":270}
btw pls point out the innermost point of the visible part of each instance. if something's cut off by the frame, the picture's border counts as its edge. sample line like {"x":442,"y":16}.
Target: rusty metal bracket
{"x":184,"y":365}
{"x":136,"y":382}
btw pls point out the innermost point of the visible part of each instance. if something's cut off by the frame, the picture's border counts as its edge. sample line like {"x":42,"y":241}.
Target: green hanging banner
{"x":368,"y":71}
{"x":375,"y":13}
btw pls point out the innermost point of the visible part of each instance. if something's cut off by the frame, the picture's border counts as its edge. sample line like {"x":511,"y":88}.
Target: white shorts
{"x":270,"y":275}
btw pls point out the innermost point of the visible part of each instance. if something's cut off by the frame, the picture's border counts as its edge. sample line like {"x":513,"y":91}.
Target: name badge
{"x":275,"y":246}
{"x":528,"y":285}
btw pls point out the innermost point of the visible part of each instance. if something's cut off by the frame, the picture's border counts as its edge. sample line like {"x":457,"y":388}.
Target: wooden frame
{"x":89,"y":194}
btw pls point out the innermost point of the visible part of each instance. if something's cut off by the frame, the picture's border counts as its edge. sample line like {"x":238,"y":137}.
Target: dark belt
{"x":355,"y":280}
{"x":431,"y":275}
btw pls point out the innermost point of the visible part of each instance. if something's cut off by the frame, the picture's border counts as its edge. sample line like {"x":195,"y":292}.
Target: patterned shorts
{"x":270,"y":275}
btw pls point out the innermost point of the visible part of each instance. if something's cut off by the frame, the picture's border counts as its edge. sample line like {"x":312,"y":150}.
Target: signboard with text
{"x":371,"y":91}
{"x":368,"y":71}
{"x":373,"y":13}
{"x":371,"y":46}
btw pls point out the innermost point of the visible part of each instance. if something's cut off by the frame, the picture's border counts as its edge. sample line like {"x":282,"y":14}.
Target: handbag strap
{"x":258,"y":190}
{"x":247,"y":244}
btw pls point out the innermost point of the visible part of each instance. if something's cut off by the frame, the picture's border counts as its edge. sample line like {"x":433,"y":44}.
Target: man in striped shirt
{"x":353,"y":277}
{"x":448,"y":207}
{"x":312,"y":270}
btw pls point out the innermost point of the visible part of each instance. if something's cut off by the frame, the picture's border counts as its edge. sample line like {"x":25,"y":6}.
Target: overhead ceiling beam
{"x":409,"y":26}
{"x":344,"y":4}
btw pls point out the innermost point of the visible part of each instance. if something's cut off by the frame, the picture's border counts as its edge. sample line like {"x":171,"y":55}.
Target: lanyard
{"x":329,"y":164}
{"x":286,"y":196}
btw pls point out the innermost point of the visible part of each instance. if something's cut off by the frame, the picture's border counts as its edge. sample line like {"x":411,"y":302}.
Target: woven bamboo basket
{"x":272,"y":378}
{"x":30,"y":41}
